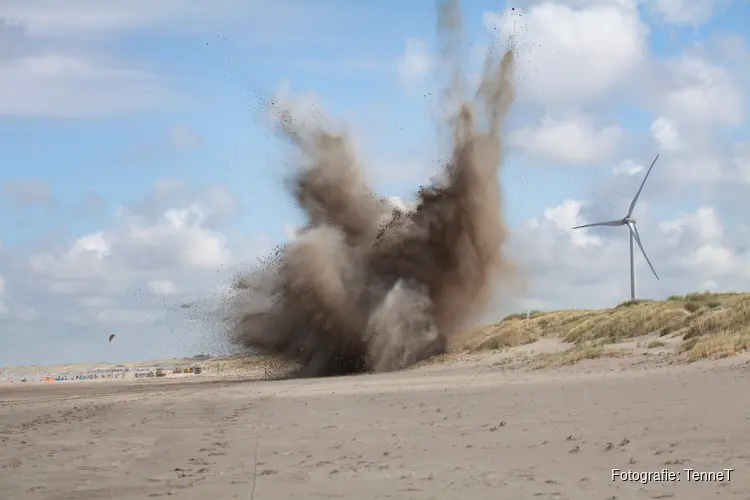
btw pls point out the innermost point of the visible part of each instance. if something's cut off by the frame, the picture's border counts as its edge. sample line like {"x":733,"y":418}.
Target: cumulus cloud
{"x":69,"y":87}
{"x":689,"y":12}
{"x":172,"y":246}
{"x":704,"y":227}
{"x":628,"y":167}
{"x":703,"y":93}
{"x":694,"y":98}
{"x":182,"y":137}
{"x":567,"y":216}
{"x":85,"y":18}
{"x":162,"y":287}
{"x":575,"y":140}
{"x":43,"y":77}
{"x":591,"y":269}
{"x":306,"y":107}
{"x":42,"y":80}
{"x":665,"y":134}
{"x":46,"y":74}
{"x":414,"y":64}
{"x":580,"y":52}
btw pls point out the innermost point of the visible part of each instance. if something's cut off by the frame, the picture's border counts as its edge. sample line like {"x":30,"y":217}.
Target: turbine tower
{"x":629,"y":221}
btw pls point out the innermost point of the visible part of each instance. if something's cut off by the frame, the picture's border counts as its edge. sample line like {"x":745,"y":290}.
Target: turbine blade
{"x":634,"y":230}
{"x":635,"y":199}
{"x":608,"y":223}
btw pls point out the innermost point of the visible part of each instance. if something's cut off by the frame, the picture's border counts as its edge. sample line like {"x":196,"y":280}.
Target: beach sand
{"x":456,"y":431}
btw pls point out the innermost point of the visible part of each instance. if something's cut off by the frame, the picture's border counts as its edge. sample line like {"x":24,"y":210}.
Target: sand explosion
{"x":366,"y":286}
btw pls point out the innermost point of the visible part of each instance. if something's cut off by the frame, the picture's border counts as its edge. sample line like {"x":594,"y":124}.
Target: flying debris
{"x":111,"y":337}
{"x":364,"y":287}
{"x":629,"y":221}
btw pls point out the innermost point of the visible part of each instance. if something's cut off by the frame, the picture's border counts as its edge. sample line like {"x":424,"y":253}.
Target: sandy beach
{"x":467,"y":430}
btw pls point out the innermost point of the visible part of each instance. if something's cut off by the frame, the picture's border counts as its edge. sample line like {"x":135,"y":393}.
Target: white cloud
{"x":414,"y":64}
{"x":305,"y":109}
{"x":79,"y":17}
{"x":627,"y":167}
{"x":704,"y":226}
{"x":181,"y":232}
{"x":573,"y":53}
{"x":59,"y":85}
{"x":703,"y":93}
{"x":665,"y":134}
{"x":567,"y":216}
{"x":171,"y":247}
{"x":260,"y":21}
{"x":82,"y":260}
{"x":162,"y":287}
{"x":175,"y":239}
{"x":182,"y":137}
{"x":575,"y":140}
{"x":712,"y":260}
{"x":690,"y":253}
{"x":690,"y":12}
{"x":696,"y":97}
{"x":46,"y":74}
{"x":95,"y":243}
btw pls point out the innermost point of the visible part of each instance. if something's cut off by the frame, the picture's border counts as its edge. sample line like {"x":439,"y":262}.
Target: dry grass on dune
{"x":696,"y":325}
{"x":683,"y":328}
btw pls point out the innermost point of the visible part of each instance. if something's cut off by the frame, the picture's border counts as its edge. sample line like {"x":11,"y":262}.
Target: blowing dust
{"x":366,"y":286}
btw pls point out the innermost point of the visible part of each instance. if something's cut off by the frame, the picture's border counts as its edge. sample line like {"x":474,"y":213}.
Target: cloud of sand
{"x":366,"y":286}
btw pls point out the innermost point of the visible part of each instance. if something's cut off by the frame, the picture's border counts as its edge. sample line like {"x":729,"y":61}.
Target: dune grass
{"x":698,"y":325}
{"x":575,"y":355}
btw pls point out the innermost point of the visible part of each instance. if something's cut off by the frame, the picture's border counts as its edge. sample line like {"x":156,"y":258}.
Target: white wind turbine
{"x":629,"y":221}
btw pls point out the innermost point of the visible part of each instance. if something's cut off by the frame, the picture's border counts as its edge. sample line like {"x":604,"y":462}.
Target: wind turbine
{"x":629,"y":221}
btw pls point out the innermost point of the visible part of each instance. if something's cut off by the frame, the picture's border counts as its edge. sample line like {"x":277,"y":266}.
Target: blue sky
{"x":114,"y":115}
